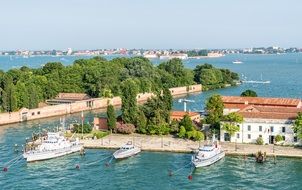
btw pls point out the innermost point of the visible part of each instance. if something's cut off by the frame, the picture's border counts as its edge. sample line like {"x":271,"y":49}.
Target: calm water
{"x":150,"y":170}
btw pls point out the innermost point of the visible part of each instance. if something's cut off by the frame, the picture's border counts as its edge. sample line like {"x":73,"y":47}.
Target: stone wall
{"x":25,"y":114}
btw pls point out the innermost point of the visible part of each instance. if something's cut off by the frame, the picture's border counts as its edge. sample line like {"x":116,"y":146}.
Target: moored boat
{"x":126,"y":151}
{"x":207,"y":155}
{"x":54,"y":145}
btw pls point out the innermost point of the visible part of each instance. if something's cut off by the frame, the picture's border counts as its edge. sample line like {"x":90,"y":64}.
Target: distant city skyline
{"x":100,"y":24}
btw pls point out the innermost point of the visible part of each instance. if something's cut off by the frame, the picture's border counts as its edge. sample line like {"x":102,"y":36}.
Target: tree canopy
{"x":98,"y":77}
{"x":249,"y":93}
{"x":231,"y":122}
{"x":298,"y":125}
{"x":214,"y":107}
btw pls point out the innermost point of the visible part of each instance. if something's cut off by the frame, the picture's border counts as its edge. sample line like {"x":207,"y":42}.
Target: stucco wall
{"x":94,"y":103}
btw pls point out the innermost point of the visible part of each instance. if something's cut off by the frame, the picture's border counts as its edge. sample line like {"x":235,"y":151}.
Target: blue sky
{"x":89,"y":24}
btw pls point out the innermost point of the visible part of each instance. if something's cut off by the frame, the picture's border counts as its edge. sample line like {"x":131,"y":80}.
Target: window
{"x":33,"y":113}
{"x":249,"y":136}
{"x":295,"y":139}
{"x":238,"y":135}
{"x":272,"y":129}
{"x":283,"y":129}
{"x":283,"y":138}
{"x":38,"y":112}
{"x":260,"y":128}
{"x":249,"y":128}
{"x":260,"y":136}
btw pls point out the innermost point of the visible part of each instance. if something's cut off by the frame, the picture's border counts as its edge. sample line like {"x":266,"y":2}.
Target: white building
{"x":263,"y":117}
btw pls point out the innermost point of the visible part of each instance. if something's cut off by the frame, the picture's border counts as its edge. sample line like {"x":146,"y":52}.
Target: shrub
{"x":78,"y":128}
{"x":100,"y":134}
{"x":125,"y":128}
{"x":164,"y":129}
{"x":182,"y":132}
{"x":199,"y":136}
{"x":190,"y":134}
{"x":278,"y":138}
{"x":259,"y":141}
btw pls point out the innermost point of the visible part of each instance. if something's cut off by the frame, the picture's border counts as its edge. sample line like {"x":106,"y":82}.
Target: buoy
{"x":77,"y":166}
{"x":5,"y":169}
{"x":190,"y":177}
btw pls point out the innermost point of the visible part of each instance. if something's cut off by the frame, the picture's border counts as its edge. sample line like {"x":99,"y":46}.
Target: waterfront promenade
{"x":171,"y":144}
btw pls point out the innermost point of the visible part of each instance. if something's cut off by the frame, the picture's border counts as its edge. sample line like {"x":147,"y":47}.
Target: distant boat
{"x":237,"y":62}
{"x":256,"y":82}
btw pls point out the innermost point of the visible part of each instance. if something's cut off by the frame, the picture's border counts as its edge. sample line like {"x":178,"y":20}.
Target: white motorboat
{"x":54,"y":145}
{"x":237,"y":62}
{"x":207,"y":155}
{"x":126,"y":151}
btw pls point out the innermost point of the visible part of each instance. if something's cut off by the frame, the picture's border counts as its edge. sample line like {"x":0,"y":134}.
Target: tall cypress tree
{"x":9,"y":96}
{"x":129,"y":104}
{"x":111,"y":117}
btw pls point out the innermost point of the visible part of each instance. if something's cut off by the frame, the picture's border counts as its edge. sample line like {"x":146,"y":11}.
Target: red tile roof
{"x":264,"y":108}
{"x":286,"y":102}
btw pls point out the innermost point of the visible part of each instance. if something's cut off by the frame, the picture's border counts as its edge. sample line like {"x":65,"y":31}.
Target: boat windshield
{"x":207,"y":148}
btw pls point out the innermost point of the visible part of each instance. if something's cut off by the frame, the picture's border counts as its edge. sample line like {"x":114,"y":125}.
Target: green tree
{"x":231,"y":122}
{"x":182,"y":132}
{"x":278,"y":138}
{"x":141,"y":122}
{"x":298,"y":125}
{"x":111,"y":117}
{"x":22,"y":95}
{"x":33,"y":94}
{"x":214,"y":107}
{"x":129,"y":103}
{"x":249,"y":93}
{"x":9,"y":100}
{"x":187,"y":123}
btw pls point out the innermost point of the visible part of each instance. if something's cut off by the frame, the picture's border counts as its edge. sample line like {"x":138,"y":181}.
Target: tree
{"x":187,"y":123}
{"x":111,"y":117}
{"x":298,"y":125}
{"x":9,"y":100}
{"x":182,"y":132}
{"x":129,"y":103}
{"x":278,"y":138}
{"x":141,"y":122}
{"x":214,"y":107}
{"x":33,"y":94}
{"x":22,"y":95}
{"x":249,"y":93}
{"x":78,"y":128}
{"x":231,"y":122}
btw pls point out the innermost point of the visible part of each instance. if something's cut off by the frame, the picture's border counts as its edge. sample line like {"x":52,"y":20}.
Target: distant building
{"x":69,"y":51}
{"x":263,"y":117}
{"x":67,"y":98}
{"x":178,"y":115}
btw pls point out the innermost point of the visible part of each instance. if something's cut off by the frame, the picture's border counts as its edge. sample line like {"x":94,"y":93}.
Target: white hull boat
{"x":208,"y":155}
{"x":55,"y":145}
{"x":126,"y":151}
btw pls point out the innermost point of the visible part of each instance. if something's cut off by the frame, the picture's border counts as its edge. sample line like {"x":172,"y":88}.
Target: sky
{"x":158,"y":24}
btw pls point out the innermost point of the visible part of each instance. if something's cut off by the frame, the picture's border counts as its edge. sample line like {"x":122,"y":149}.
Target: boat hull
{"x":39,"y":156}
{"x":207,"y":162}
{"x":123,"y":155}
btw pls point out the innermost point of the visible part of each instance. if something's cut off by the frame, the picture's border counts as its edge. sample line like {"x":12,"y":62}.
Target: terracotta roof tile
{"x":287,"y":102}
